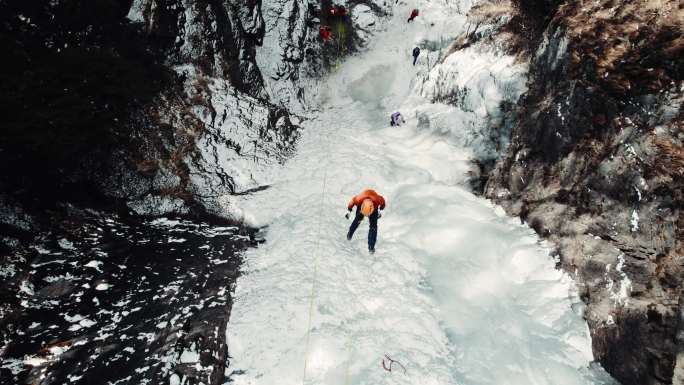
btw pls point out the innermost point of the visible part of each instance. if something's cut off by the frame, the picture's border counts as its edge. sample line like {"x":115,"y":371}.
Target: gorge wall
{"x":115,"y":111}
{"x":596,"y":165}
{"x":165,"y":106}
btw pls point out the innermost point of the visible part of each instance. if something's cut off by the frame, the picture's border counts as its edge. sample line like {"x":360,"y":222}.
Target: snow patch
{"x":634,"y":221}
{"x":102,"y":286}
{"x":135,"y":13}
{"x":66,"y":244}
{"x":190,"y":355}
{"x":174,"y":380}
{"x":622,"y":295}
{"x":26,"y":288}
{"x":95,"y":265}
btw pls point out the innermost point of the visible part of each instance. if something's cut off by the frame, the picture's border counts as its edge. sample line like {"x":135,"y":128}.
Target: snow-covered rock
{"x":594,"y":165}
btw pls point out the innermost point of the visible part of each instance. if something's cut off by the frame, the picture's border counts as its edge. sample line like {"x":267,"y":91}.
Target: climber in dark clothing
{"x":414,"y":14}
{"x":416,"y":52}
{"x":396,"y":119}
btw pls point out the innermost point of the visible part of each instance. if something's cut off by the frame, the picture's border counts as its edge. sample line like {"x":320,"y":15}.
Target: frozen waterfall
{"x":457,"y":292}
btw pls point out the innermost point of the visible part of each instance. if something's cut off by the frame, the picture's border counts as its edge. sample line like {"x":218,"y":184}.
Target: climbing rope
{"x":348,"y":345}
{"x":340,"y":34}
{"x":312,"y":295}
{"x":391,"y":362}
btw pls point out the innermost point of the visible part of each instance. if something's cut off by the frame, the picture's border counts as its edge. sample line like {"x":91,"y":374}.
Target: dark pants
{"x":372,"y":230}
{"x":415,"y":57}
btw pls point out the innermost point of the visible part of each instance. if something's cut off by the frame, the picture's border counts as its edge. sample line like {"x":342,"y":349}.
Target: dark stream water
{"x":114,"y":300}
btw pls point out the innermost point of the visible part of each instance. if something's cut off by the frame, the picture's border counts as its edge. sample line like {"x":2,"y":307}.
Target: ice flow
{"x":456,"y":292}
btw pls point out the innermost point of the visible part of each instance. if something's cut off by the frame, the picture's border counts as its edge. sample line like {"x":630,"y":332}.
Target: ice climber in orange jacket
{"x":368,"y":204}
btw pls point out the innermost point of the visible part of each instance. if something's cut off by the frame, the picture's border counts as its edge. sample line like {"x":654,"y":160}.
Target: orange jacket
{"x":377,"y":199}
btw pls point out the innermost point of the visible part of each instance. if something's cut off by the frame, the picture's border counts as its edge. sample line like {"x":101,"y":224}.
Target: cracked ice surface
{"x":456,"y":292}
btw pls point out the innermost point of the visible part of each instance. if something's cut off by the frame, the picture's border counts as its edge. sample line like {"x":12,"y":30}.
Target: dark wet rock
{"x":198,"y":96}
{"x":132,"y":109}
{"x":678,"y":377}
{"x":293,"y":53}
{"x":57,"y":289}
{"x":596,"y":165}
{"x":105,"y":298}
{"x":158,"y":205}
{"x":13,"y":215}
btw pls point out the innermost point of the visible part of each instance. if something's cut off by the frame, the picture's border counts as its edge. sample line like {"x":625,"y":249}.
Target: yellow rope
{"x":315,"y":273}
{"x":340,"y":30}
{"x":348,"y":344}
{"x":318,"y":240}
{"x":340,"y":34}
{"x":346,"y":370}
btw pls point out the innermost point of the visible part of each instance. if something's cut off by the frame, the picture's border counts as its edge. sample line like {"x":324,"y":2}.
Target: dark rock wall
{"x":596,"y":164}
{"x":95,"y":101}
{"x":149,"y":291}
{"x":69,"y":76}
{"x":159,"y":103}
{"x":116,"y":110}
{"x":211,"y":45}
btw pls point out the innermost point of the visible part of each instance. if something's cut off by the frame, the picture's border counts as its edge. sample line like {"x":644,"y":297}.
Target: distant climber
{"x":396,"y":119}
{"x":324,"y":32}
{"x":340,"y":10}
{"x":368,"y":204}
{"x":414,"y":14}
{"x":416,"y":52}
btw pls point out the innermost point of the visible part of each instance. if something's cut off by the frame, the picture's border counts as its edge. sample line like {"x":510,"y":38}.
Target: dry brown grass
{"x":485,"y":12}
{"x":197,"y":100}
{"x":632,"y":47}
{"x":179,"y":192}
{"x":679,"y":247}
{"x":670,"y":157}
{"x":201,"y":84}
{"x":61,"y":344}
{"x":515,"y":35}
{"x":461,"y":42}
{"x":177,"y":156}
{"x":489,"y":10}
{"x":147,"y":166}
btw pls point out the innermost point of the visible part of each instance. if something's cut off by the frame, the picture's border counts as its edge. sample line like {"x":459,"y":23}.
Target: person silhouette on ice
{"x":414,"y":14}
{"x":368,"y":204}
{"x":416,"y":52}
{"x":324,"y":32}
{"x":396,"y":119}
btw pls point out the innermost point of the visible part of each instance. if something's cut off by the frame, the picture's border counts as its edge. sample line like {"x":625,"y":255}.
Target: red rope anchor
{"x":391,"y":361}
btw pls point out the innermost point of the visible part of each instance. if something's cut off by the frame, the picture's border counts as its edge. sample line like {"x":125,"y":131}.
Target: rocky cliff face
{"x":244,"y":69}
{"x":113,"y":110}
{"x":164,"y":104}
{"x":596,"y":164}
{"x":222,"y":130}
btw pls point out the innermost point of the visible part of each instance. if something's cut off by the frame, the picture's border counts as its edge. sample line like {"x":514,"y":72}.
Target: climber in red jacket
{"x":324,"y":32}
{"x":414,"y":14}
{"x":340,"y":10}
{"x":368,"y":204}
